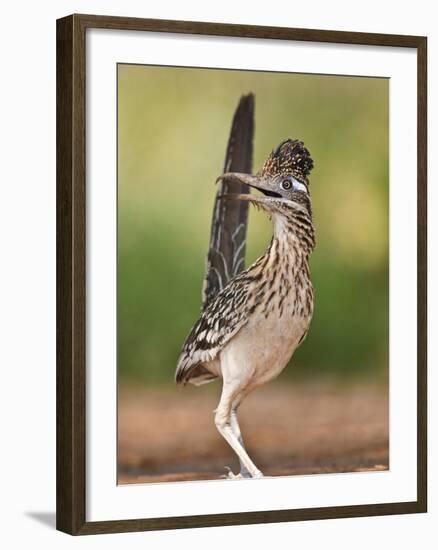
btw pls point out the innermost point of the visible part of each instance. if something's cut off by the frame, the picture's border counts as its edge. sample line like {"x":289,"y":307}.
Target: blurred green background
{"x":173,"y":126}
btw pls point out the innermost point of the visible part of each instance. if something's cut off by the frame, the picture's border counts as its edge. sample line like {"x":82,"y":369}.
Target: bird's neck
{"x":291,"y":245}
{"x":294,"y":231}
{"x":284,"y":268}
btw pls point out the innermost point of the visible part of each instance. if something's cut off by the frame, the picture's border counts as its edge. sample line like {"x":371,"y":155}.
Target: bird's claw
{"x":230,"y":475}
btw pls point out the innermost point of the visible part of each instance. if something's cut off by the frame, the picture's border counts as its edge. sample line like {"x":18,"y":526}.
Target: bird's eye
{"x":286,"y":184}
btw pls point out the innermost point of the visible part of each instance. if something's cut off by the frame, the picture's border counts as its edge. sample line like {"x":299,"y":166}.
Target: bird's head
{"x":283,"y":180}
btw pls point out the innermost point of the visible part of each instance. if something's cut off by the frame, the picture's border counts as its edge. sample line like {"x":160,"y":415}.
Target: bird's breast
{"x":275,"y":328}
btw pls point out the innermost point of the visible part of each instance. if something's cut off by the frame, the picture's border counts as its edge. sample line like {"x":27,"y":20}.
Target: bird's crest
{"x":290,"y":157}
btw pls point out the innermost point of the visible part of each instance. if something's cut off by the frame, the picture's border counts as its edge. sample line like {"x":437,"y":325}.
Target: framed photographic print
{"x":241,"y":274}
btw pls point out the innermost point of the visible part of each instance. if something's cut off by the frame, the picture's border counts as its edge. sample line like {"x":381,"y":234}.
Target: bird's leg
{"x":223,"y":423}
{"x":236,"y":429}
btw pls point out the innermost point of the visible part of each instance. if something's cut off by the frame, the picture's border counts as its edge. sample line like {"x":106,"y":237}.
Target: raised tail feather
{"x":226,"y":254}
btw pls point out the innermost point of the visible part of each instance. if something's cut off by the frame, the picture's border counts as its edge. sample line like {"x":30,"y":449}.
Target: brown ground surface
{"x":289,"y":428}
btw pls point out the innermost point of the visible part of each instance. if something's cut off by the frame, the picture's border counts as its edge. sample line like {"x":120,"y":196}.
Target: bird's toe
{"x":230,"y":475}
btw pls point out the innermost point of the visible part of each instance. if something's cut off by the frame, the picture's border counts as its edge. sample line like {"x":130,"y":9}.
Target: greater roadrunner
{"x":250,"y":328}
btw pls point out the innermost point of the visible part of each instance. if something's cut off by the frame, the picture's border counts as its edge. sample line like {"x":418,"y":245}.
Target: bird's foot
{"x":245,"y":475}
{"x":230,"y":475}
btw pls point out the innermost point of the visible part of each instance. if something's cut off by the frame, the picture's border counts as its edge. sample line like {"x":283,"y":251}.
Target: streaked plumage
{"x":249,"y":330}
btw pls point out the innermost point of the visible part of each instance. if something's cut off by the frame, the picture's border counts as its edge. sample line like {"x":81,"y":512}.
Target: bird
{"x":249,"y":330}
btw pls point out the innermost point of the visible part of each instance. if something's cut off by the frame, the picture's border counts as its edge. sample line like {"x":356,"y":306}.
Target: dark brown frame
{"x":71,"y":266}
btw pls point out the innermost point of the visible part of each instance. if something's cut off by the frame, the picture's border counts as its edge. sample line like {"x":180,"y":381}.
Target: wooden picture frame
{"x":71,"y":273}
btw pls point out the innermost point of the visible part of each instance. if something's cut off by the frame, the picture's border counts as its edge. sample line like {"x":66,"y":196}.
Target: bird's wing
{"x":226,"y":255}
{"x":222,"y":319}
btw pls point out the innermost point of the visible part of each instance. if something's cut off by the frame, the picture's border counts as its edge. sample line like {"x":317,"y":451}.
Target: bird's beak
{"x":256,"y":182}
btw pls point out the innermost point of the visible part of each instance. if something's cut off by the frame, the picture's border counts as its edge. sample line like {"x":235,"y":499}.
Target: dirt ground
{"x":288,"y":429}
